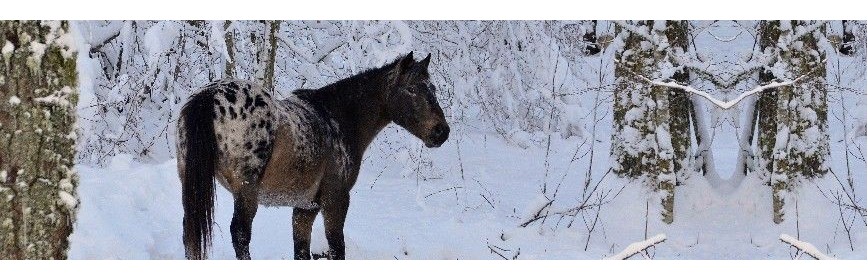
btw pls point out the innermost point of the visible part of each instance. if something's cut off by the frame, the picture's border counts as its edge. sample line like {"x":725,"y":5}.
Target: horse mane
{"x":362,"y":78}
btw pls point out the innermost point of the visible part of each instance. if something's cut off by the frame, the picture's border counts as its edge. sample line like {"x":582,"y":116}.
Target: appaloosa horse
{"x":303,"y":152}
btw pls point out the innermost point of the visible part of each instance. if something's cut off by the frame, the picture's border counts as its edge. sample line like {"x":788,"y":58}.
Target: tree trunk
{"x":273,"y":28}
{"x":793,"y":142}
{"x":680,"y":105}
{"x":642,"y":140}
{"x":590,"y":37}
{"x":847,"y":38}
{"x":230,"y":50}
{"x":37,"y":139}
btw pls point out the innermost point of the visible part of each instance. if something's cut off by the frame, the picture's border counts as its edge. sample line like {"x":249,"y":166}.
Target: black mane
{"x":351,"y":82}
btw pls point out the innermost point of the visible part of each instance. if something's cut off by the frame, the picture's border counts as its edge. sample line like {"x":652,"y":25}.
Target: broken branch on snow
{"x":637,"y":247}
{"x":805,"y":247}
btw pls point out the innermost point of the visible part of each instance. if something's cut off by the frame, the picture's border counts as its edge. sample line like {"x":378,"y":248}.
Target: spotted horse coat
{"x":303,"y":151}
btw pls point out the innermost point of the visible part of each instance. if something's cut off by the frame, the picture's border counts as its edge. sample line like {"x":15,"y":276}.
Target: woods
{"x":789,"y":116}
{"x":718,"y":134}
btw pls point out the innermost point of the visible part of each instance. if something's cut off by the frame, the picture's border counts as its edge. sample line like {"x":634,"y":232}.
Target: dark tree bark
{"x":680,"y":105}
{"x":37,"y":139}
{"x":847,"y":39}
{"x":590,"y":38}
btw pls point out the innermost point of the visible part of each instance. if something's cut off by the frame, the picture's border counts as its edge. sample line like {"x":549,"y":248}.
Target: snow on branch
{"x":807,"y":29}
{"x":719,"y":103}
{"x":805,"y":247}
{"x":637,"y":247}
{"x":99,"y":40}
{"x":724,"y":39}
{"x":635,"y":30}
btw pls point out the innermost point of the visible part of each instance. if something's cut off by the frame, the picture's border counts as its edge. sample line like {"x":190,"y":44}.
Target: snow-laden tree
{"x":38,"y":94}
{"x":793,"y":119}
{"x":510,"y":78}
{"x":135,"y":76}
{"x":651,"y":137}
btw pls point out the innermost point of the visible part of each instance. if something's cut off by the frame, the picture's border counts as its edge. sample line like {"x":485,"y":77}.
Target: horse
{"x":303,"y":152}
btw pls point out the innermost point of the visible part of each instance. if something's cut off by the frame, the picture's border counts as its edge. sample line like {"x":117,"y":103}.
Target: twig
{"x":498,"y":250}
{"x":806,"y":247}
{"x":443,"y":190}
{"x":537,"y":216}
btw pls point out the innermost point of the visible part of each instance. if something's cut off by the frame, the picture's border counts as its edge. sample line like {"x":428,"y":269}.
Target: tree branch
{"x":805,"y":247}
{"x":722,"y":104}
{"x":637,"y":247}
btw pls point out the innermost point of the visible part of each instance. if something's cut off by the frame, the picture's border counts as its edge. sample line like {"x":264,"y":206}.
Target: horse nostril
{"x":441,"y":131}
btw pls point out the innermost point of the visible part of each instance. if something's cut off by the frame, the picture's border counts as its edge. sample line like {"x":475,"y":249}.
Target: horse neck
{"x":357,"y":105}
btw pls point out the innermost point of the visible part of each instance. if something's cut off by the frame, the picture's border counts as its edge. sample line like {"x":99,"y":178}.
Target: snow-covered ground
{"x":133,"y":211}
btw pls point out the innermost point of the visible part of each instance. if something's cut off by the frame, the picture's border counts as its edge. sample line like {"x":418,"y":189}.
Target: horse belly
{"x":290,"y":181}
{"x":293,"y":173}
{"x":298,"y":199}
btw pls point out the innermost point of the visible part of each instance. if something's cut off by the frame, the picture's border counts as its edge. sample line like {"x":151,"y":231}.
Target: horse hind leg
{"x":302,"y":224}
{"x":246,"y":204}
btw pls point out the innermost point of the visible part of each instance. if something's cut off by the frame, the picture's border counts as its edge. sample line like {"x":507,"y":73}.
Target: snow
{"x":68,"y":200}
{"x":130,"y":210}
{"x":14,"y":101}
{"x":59,"y":98}
{"x":159,"y":39}
{"x":134,"y":211}
{"x":535,"y":207}
{"x":805,"y":246}
{"x":7,"y":48}
{"x":121,"y":162}
{"x":664,"y":140}
{"x":218,"y":39}
{"x":37,"y":49}
{"x":782,"y":138}
{"x":635,"y":248}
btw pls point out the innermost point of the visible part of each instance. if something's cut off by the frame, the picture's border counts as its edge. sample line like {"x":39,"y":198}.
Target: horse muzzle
{"x":438,"y":136}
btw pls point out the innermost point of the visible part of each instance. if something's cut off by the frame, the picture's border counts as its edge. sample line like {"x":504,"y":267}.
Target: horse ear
{"x":406,"y":62}
{"x":424,"y":62}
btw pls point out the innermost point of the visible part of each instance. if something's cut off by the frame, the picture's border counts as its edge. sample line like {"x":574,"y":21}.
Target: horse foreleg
{"x":302,"y":223}
{"x":334,"y":214}
{"x":246,"y":204}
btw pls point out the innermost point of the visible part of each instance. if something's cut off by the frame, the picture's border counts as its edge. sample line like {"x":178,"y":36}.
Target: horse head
{"x":412,"y":104}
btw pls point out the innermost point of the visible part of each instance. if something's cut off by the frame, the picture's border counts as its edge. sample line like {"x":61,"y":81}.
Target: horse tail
{"x":199,"y":160}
